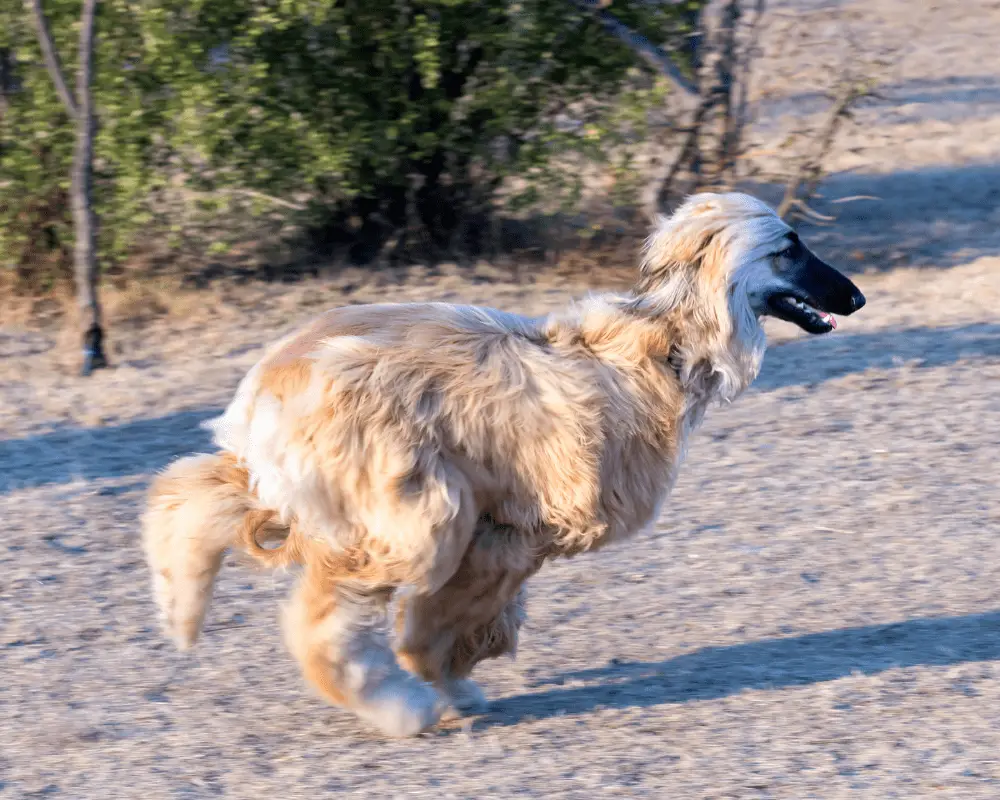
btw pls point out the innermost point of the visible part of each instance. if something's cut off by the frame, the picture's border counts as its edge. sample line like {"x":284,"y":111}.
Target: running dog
{"x":437,"y":455}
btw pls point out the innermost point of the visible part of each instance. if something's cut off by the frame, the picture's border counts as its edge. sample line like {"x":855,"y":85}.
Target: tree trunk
{"x":81,"y":111}
{"x":84,"y":218}
{"x":51,"y":57}
{"x":725,"y":123}
{"x":712,"y":142}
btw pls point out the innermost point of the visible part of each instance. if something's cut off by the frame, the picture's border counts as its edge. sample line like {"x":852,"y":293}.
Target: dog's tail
{"x":198,"y":507}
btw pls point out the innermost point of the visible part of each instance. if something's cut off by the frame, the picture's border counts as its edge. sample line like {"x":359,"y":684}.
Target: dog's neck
{"x":710,"y":364}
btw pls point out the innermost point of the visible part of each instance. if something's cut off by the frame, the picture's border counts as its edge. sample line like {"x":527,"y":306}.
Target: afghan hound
{"x":439,"y":454}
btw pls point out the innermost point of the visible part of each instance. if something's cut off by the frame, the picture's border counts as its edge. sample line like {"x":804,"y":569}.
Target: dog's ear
{"x":682,"y":251}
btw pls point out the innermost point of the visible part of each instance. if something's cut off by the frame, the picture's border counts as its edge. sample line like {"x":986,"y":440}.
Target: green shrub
{"x":375,"y":120}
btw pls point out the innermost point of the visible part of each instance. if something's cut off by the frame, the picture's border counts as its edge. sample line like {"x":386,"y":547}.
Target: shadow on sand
{"x":934,"y":216}
{"x":813,"y":360}
{"x":114,"y":451}
{"x":951,"y":98}
{"x":716,"y":672}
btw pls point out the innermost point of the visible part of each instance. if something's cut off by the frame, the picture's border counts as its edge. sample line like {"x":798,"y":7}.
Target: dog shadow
{"x":716,"y":672}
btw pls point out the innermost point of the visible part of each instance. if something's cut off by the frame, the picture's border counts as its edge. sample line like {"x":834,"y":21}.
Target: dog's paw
{"x":465,"y":698}
{"x":402,"y":708}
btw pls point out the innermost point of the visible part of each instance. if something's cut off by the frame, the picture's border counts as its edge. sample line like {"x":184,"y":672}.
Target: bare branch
{"x":52,"y":58}
{"x":688,"y":157}
{"x":855,"y":197}
{"x":803,"y":183}
{"x":235,"y":191}
{"x":714,"y":140}
{"x":750,"y":51}
{"x":806,"y":211}
{"x":649,"y":52}
{"x":726,"y":67}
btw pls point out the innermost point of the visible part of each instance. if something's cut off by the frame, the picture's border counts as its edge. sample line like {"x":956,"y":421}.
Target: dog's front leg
{"x":444,"y":650}
{"x":473,"y":617}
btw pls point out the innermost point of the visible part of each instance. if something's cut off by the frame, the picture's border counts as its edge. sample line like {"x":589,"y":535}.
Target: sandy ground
{"x":817,"y":614}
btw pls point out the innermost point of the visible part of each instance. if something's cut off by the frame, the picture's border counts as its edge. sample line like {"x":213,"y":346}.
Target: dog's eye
{"x":793,"y":245}
{"x":791,"y":249}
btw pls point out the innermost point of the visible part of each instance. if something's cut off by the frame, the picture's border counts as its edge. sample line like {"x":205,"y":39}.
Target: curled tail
{"x":198,"y":507}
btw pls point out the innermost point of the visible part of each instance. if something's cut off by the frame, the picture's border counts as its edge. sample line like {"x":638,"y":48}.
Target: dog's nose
{"x":858,"y":301}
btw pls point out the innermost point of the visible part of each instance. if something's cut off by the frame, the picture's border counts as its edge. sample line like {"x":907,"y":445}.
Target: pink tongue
{"x":829,"y":319}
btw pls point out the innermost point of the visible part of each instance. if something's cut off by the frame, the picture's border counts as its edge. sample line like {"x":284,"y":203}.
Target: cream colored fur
{"x":442,"y":453}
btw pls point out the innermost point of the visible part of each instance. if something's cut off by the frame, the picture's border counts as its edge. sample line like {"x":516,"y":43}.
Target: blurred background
{"x":181,"y":183}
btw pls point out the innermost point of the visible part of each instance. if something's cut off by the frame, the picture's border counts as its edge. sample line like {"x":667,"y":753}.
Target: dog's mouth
{"x":809,"y":290}
{"x":801,"y":310}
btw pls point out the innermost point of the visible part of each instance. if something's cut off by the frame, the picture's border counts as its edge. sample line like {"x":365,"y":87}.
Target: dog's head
{"x":731,"y":255}
{"x":719,"y":264}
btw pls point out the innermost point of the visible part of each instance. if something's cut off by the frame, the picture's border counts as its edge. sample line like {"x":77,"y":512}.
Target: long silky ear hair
{"x":692,"y":271}
{"x":685,"y":268}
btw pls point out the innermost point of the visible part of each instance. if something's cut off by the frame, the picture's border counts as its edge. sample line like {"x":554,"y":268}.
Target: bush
{"x":372,"y":122}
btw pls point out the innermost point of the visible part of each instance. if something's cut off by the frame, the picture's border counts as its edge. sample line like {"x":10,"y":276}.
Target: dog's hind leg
{"x":475,"y":616}
{"x":335,"y":627}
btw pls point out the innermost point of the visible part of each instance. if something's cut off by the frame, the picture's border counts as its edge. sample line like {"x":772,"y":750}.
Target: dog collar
{"x":674,"y":361}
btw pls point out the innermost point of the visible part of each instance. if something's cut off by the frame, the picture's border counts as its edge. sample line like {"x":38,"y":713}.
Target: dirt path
{"x":816,"y":615}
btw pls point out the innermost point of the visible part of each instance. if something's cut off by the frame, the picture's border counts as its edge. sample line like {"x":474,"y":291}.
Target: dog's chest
{"x":639,"y":473}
